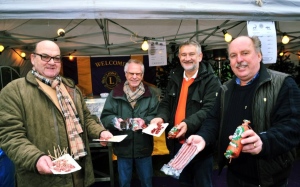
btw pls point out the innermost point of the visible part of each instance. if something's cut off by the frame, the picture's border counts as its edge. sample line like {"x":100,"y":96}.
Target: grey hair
{"x":191,"y":42}
{"x":136,"y":62}
{"x":255,"y":40}
{"x":257,"y":43}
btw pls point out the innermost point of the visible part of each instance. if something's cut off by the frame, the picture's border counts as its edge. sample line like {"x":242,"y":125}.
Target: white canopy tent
{"x":279,"y":10}
{"x":116,"y":27}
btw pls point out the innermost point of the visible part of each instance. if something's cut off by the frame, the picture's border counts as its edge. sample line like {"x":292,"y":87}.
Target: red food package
{"x":182,"y":158}
{"x":173,"y":132}
{"x":235,"y":147}
{"x":157,"y":129}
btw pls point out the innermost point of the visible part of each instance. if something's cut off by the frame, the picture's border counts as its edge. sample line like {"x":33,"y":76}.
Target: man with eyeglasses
{"x":42,"y":116}
{"x":190,"y":94}
{"x":47,"y":58}
{"x":133,"y":104}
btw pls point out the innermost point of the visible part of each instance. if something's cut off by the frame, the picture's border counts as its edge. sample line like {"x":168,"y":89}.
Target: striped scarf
{"x":71,"y":117}
{"x":133,"y":96}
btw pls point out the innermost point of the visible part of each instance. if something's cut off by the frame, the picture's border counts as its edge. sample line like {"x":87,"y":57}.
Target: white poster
{"x":266,"y":32}
{"x":157,"y":53}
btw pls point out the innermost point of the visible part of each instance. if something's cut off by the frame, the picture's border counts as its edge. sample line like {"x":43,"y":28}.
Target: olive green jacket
{"x":31,"y":125}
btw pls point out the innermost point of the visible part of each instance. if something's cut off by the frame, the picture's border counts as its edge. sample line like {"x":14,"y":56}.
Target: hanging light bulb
{"x":227,"y":36}
{"x":61,"y":32}
{"x":71,"y":57}
{"x":145,"y":45}
{"x":23,"y":55}
{"x":1,"y":48}
{"x":285,"y":39}
{"x":281,"y":53}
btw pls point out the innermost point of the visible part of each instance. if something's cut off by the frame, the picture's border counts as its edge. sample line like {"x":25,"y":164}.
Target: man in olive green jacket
{"x":34,"y":121}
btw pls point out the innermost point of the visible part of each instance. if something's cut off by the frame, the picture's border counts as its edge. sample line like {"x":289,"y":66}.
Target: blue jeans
{"x":197,"y":173}
{"x":143,"y":168}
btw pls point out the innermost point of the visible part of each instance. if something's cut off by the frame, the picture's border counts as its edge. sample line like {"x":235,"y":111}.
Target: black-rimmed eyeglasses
{"x":47,"y":58}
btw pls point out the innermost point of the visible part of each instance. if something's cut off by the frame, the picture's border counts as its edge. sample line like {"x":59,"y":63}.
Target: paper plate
{"x":154,"y":130}
{"x":117,"y":138}
{"x":64,"y":165}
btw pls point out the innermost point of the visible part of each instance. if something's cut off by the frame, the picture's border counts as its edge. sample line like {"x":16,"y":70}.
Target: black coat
{"x":201,"y":97}
{"x":276,"y":119}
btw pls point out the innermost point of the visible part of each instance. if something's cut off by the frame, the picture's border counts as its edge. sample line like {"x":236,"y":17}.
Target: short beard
{"x":194,"y":67}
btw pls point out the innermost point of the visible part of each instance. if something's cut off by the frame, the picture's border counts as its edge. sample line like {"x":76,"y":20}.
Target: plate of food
{"x":117,"y":138}
{"x":155,"y":130}
{"x":64,"y":164}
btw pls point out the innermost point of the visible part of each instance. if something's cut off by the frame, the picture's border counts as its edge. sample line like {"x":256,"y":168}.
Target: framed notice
{"x":157,"y":53}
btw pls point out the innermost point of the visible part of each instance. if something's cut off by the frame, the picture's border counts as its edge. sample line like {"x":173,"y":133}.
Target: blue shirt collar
{"x":238,"y":81}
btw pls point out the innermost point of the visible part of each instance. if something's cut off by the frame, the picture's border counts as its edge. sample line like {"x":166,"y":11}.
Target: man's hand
{"x":116,"y":121}
{"x":105,"y":135}
{"x":251,"y":142}
{"x":157,"y":121}
{"x":44,"y":164}
{"x":182,"y":127}
{"x":196,"y":140}
{"x":140,"y":124}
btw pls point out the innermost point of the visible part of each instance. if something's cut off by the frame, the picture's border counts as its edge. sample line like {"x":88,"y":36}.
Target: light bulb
{"x":71,"y":57}
{"x":61,"y":32}
{"x":145,"y":45}
{"x":281,"y":53}
{"x":23,"y":54}
{"x":285,"y":39}
{"x":1,"y":48}
{"x":227,"y":37}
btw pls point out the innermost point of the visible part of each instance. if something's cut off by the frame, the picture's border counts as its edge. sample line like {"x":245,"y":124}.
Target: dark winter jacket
{"x":276,"y":115}
{"x":201,"y":97}
{"x":31,"y":126}
{"x":136,"y":144}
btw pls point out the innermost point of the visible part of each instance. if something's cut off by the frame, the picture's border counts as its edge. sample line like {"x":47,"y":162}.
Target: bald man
{"x":45,"y":113}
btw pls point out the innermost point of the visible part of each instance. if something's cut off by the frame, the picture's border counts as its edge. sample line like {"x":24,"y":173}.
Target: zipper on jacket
{"x":133,"y":144}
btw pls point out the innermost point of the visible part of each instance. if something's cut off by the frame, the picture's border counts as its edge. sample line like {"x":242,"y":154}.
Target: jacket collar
{"x":31,"y":79}
{"x":118,"y":90}
{"x":204,"y":70}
